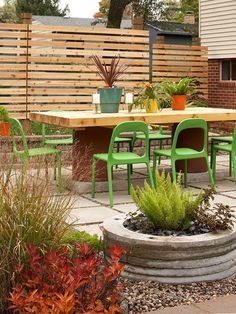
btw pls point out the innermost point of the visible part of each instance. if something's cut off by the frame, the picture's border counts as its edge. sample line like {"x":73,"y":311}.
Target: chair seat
{"x":122,"y":156}
{"x":154,"y":136}
{"x":186,"y":152}
{"x":42,"y":151}
{"x":223,"y":139}
{"x":224,"y":147}
{"x":123,"y":139}
{"x":61,"y":141}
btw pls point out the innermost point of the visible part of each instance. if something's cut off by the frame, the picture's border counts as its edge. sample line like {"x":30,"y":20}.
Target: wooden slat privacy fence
{"x":173,"y":62}
{"x":49,"y":67}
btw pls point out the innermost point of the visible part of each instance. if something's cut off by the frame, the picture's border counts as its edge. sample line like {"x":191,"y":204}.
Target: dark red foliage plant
{"x":63,"y":281}
{"x":109,"y":73}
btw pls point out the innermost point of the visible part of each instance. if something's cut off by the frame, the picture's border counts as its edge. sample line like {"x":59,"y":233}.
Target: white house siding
{"x":218,"y":27}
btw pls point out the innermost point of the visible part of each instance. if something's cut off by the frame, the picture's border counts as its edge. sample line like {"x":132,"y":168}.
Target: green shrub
{"x":28,"y":215}
{"x":74,"y":235}
{"x":166,"y":206}
{"x":4,"y":116}
{"x":185,"y":86}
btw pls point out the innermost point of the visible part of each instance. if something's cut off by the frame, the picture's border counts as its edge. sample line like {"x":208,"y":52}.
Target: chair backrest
{"x":194,"y":123}
{"x":130,"y":126}
{"x":17,"y":129}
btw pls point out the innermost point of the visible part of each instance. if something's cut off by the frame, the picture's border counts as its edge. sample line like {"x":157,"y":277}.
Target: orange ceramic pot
{"x":178,"y":102}
{"x":4,"y":129}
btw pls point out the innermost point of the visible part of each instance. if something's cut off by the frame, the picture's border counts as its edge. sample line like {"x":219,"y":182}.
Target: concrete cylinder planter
{"x":168,"y":259}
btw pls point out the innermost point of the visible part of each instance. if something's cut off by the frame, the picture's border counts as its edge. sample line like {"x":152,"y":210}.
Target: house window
{"x":228,"y":70}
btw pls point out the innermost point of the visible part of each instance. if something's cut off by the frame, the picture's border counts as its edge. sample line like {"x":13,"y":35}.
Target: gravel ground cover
{"x":145,"y":296}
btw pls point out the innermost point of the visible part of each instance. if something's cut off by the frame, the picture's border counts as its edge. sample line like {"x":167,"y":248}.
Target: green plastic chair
{"x":154,"y":136}
{"x":26,"y":153}
{"x":222,"y":139}
{"x":229,"y":148}
{"x":54,"y":142}
{"x":185,"y":153}
{"x":122,"y":158}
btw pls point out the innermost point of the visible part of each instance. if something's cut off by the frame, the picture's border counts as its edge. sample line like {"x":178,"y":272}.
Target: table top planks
{"x":81,"y":119}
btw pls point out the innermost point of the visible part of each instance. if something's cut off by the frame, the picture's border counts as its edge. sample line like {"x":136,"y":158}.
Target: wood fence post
{"x":26,"y":18}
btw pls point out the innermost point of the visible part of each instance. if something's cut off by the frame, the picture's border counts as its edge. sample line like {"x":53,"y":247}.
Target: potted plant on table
{"x":4,"y":122}
{"x":179,"y":91}
{"x":148,"y":97}
{"x":110,"y":95}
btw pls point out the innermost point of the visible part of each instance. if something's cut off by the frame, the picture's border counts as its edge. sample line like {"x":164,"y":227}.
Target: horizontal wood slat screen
{"x":60,"y":72}
{"x":177,"y":61}
{"x":13,"y":68}
{"x":49,"y":67}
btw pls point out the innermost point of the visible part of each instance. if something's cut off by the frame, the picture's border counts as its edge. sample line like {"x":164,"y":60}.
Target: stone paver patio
{"x":90,"y":213}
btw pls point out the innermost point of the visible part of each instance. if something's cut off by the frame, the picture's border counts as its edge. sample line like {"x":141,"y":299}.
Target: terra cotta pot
{"x":178,"y":102}
{"x":4,"y":129}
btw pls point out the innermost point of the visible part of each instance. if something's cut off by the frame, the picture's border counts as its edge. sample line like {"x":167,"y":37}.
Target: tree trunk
{"x":115,"y":13}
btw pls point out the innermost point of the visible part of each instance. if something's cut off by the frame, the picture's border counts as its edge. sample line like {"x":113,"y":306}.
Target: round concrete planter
{"x":186,"y":259}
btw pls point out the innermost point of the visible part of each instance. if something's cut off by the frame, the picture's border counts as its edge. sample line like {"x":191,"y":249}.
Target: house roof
{"x":74,"y":21}
{"x":172,"y":28}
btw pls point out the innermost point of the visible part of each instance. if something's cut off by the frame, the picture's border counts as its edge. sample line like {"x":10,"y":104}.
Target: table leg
{"x":89,"y":141}
{"x":192,"y":138}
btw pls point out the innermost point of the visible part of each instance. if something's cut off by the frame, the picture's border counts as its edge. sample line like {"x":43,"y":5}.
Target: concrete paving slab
{"x":119,"y":197}
{"x":225,"y":304}
{"x":221,"y":185}
{"x":185,"y":309}
{"x":224,"y":200}
{"x":91,"y":229}
{"x":231,"y":194}
{"x":80,"y":202}
{"x":89,"y":215}
{"x":220,"y":305}
{"x":126,"y":208}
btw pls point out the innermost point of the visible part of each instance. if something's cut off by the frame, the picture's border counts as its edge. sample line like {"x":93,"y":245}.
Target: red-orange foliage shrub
{"x":68,"y":282}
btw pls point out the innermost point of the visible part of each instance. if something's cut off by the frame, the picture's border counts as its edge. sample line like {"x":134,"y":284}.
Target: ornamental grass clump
{"x":28,"y":215}
{"x":166,"y":206}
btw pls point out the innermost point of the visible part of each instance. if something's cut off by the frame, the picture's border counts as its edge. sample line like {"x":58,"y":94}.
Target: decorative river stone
{"x":171,"y":259}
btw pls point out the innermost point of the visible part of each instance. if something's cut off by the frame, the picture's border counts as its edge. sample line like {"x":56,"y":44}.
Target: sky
{"x":79,"y":8}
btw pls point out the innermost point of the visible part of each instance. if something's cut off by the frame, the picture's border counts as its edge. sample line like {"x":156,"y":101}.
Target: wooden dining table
{"x":92,"y":131}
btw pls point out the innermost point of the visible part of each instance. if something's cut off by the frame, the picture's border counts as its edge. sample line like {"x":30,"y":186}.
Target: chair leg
{"x":212,"y":145}
{"x":109,"y":172}
{"x":154,"y":165}
{"x":210,"y":172}
{"x":131,"y":149}
{"x":173,"y":168}
{"x":150,"y":174}
{"x":59,"y":176}
{"x":128,"y":176}
{"x":117,"y":150}
{"x":230,"y":164}
{"x":234,"y":166}
{"x":213,"y":158}
{"x":185,"y":172}
{"x":159,"y":159}
{"x":93,"y":178}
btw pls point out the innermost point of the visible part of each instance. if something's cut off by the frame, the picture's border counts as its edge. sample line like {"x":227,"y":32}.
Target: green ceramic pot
{"x":110,"y":99}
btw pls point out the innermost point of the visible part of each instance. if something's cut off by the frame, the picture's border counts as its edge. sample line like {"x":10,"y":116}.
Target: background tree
{"x":151,"y":10}
{"x":8,"y":12}
{"x":187,"y":6}
{"x":40,"y":7}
